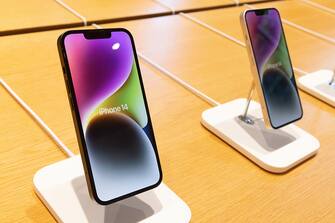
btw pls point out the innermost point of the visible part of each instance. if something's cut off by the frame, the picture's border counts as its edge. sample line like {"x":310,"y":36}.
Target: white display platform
{"x":317,"y":84}
{"x":62,"y":188}
{"x":274,"y":150}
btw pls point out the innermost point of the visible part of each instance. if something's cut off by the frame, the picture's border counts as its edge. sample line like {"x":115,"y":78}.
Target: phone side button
{"x":63,"y":69}
{"x":72,"y":102}
{"x":71,"y":99}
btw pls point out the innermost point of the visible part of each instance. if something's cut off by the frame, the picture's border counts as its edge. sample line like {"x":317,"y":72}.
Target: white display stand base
{"x":274,"y":150}
{"x":317,"y":84}
{"x":62,"y":188}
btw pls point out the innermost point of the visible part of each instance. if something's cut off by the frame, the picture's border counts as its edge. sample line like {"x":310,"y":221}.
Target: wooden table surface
{"x":190,"y":5}
{"x":195,"y":4}
{"x":24,"y":150}
{"x":111,"y":10}
{"x":36,"y":14}
{"x":326,"y":3}
{"x":48,"y":14}
{"x":215,"y":181}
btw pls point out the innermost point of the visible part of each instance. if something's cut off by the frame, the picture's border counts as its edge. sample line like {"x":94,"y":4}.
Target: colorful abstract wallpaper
{"x":274,"y":66}
{"x":119,"y":136}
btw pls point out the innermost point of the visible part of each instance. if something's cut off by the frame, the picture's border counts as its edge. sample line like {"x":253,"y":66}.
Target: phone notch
{"x":98,"y":34}
{"x":261,"y":12}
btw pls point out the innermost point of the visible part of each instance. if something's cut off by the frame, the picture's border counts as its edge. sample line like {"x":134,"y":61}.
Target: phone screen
{"x":274,"y":66}
{"x":114,"y":117}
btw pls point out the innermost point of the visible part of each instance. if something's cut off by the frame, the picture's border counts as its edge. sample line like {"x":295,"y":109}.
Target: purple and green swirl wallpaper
{"x":118,"y":134}
{"x":274,"y":66}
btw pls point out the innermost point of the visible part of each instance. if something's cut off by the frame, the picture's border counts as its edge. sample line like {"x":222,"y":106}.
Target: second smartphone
{"x":110,"y":113}
{"x":271,"y":67}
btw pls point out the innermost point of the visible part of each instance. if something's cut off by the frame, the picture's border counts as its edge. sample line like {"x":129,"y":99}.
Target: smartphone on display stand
{"x":110,"y":113}
{"x":271,"y":67}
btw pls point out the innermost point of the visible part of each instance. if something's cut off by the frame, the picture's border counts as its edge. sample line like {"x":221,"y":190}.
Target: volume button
{"x":65,"y":76}
{"x":71,"y":101}
{"x":71,"y":98}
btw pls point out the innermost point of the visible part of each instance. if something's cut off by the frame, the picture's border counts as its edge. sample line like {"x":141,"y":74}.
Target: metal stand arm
{"x":245,"y":118}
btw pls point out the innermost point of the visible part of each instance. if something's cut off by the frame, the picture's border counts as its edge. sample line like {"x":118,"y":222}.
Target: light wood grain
{"x":195,"y":4}
{"x":24,"y":148}
{"x":327,"y":3}
{"x":218,"y":183}
{"x":33,"y":14}
{"x":178,"y":5}
{"x":255,"y":1}
{"x":113,"y":9}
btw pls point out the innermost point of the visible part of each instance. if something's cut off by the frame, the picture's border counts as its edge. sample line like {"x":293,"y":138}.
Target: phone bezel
{"x":255,"y":64}
{"x":76,"y":115}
